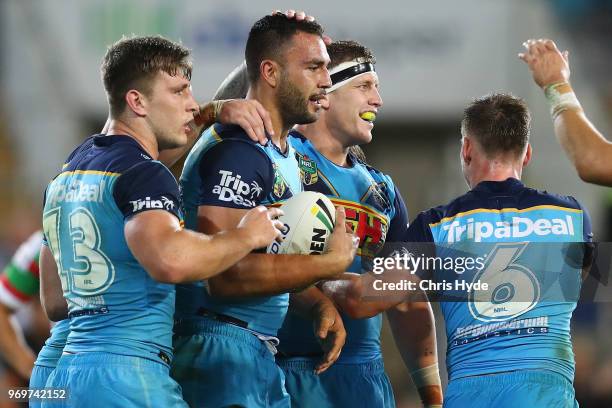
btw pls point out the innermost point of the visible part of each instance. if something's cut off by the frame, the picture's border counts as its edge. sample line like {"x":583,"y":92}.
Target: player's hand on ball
{"x":342,"y":242}
{"x":330,"y":333}
{"x":547,"y":64}
{"x":250,"y":115}
{"x":262,"y":226}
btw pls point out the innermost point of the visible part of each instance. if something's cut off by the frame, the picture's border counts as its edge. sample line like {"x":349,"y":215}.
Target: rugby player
{"x":113,"y":234}
{"x":587,"y":148}
{"x":509,"y":346}
{"x":226,"y":329}
{"x":18,"y":285}
{"x":331,"y":163}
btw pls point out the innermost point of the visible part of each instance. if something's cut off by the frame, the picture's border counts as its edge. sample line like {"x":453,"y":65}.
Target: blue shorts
{"x":524,"y":389}
{"x":112,"y":380}
{"x":38,"y":380}
{"x":220,"y":365}
{"x":342,"y":385}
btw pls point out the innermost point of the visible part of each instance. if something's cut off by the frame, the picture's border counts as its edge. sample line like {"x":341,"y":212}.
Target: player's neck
{"x":145,"y":138}
{"x":322,"y":139}
{"x":495,"y":171}
{"x":268,"y":101}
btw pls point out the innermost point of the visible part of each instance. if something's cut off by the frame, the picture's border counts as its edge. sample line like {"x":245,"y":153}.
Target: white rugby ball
{"x":309,"y":218}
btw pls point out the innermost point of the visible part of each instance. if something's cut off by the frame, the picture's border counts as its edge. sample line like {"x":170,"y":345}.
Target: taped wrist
{"x":561,"y":97}
{"x":425,"y":376}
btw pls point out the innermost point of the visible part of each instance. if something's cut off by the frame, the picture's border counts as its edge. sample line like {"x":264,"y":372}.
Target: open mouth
{"x":369,"y":116}
{"x":319,"y":100}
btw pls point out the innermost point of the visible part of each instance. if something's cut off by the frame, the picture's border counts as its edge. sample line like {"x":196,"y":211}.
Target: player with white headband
{"x":332,"y":163}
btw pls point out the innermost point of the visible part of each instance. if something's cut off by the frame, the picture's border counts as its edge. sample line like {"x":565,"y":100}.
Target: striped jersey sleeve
{"x":19,"y":281}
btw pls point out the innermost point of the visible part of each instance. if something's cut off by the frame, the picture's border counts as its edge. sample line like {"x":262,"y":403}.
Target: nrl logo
{"x":308,"y":170}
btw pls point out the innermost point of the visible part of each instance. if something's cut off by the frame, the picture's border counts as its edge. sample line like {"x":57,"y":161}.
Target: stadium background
{"x":433,"y":58}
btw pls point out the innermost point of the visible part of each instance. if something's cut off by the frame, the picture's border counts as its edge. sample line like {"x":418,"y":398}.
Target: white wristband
{"x":429,"y":375}
{"x":558,"y":101}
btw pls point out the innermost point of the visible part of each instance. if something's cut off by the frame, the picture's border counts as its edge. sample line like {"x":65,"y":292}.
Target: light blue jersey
{"x":114,"y":305}
{"x":377,"y":213}
{"x":226,"y":169}
{"x":120,"y":318}
{"x":224,"y":347}
{"x":522,"y":238}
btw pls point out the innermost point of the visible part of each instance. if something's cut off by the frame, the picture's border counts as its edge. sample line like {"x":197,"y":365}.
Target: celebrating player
{"x":586,"y":147}
{"x":226,"y":333}
{"x":112,"y":225}
{"x":509,"y":346}
{"x":331,"y":163}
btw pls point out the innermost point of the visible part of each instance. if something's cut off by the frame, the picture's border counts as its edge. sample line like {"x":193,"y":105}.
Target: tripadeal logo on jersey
{"x":541,"y":223}
{"x":232,"y":188}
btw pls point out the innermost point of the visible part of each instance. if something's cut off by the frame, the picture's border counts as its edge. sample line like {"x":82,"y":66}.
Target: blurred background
{"x":433,"y":58}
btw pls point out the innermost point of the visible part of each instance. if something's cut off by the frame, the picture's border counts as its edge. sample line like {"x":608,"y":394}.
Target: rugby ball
{"x":309,"y":218}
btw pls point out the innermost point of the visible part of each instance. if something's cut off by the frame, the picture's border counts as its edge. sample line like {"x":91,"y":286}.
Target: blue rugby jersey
{"x":377,"y":213}
{"x":226,"y":169}
{"x":114,"y":305}
{"x":522,"y":322}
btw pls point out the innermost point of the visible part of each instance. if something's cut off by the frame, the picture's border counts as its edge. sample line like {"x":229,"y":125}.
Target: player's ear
{"x":466,"y":149}
{"x":136,"y":102}
{"x":270,"y":72}
{"x":527,"y":157}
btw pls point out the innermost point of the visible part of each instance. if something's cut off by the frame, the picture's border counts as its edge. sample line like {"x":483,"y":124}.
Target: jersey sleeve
{"x":587,"y":236}
{"x":399,"y":223}
{"x":44,"y":237}
{"x":418,"y":242}
{"x":235,"y":174}
{"x":19,"y":282}
{"x":147,"y":186}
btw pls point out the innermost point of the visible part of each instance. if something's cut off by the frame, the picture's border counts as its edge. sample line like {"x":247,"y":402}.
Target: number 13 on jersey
{"x":84,"y":268}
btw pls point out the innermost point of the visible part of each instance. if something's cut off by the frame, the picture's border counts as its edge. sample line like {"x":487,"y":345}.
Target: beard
{"x":293,"y":104}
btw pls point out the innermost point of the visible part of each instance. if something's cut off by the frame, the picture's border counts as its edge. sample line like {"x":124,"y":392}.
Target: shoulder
{"x":543,"y":197}
{"x":114,"y":154}
{"x":233,"y":140}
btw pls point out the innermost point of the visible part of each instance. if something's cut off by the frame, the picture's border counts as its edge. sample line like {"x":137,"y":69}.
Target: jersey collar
{"x":510,"y":184}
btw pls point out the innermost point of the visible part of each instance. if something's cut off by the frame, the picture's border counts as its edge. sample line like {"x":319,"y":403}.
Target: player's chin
{"x":179,"y":140}
{"x":363,"y":138}
{"x":309,"y":117}
{"x":316,"y":105}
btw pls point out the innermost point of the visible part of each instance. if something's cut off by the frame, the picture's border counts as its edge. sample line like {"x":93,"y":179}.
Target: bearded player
{"x":226,"y":328}
{"x":331,"y":163}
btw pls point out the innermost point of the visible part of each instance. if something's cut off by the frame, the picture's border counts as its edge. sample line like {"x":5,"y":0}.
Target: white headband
{"x":342,"y":73}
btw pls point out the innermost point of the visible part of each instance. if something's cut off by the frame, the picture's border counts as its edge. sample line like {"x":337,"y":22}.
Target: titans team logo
{"x":308,"y":170}
{"x":370,"y":226}
{"x":280,"y":185}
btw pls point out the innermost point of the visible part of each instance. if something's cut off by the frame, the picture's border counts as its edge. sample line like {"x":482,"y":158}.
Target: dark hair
{"x":499,"y":122}
{"x":349,"y":50}
{"x":342,"y":51}
{"x":268,"y":37}
{"x":130,"y":63}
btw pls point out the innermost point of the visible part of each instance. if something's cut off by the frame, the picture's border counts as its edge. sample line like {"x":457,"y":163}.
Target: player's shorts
{"x":38,"y":380}
{"x":341,"y":385}
{"x":223,"y":365}
{"x":112,"y":380}
{"x":524,"y":389}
